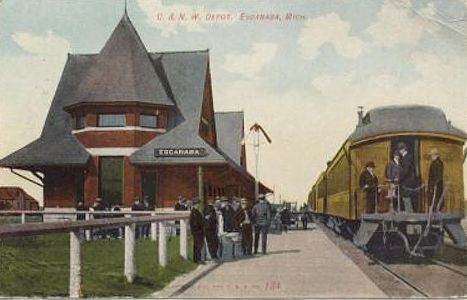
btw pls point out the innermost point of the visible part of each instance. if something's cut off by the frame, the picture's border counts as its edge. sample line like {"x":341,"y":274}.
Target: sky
{"x":302,"y":79}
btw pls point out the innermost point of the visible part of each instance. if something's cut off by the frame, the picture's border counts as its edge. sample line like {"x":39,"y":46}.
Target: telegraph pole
{"x":256,"y":129}
{"x":256,"y":145}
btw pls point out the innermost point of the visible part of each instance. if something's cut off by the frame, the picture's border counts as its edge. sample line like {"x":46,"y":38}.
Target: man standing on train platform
{"x":407,"y":179}
{"x":210,"y":229}
{"x":304,"y":218}
{"x":261,"y":214}
{"x":197,"y":231}
{"x":227,"y":214}
{"x":435,"y":180}
{"x":369,"y":184}
{"x":243,"y":221}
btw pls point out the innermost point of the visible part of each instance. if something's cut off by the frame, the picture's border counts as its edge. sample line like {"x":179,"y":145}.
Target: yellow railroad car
{"x":411,"y":216}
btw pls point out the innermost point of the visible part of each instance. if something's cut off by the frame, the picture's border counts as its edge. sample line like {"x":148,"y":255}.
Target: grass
{"x":39,"y":266}
{"x":17,"y":219}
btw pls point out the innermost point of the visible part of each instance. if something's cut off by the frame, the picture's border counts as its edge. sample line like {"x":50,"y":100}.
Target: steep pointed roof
{"x":229,"y":127}
{"x":123,"y":71}
{"x":56,"y":146}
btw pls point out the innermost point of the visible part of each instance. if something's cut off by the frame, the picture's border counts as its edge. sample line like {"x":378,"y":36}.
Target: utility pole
{"x":256,"y":129}
{"x":256,"y":145}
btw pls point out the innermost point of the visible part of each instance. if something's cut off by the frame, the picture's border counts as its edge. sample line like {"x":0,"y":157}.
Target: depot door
{"x":149,"y":188}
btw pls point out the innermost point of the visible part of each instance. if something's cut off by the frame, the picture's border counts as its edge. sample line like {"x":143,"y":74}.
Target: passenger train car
{"x":337,"y":199}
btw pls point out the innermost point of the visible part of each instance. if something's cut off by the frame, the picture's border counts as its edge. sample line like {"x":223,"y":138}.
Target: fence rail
{"x":74,"y":228}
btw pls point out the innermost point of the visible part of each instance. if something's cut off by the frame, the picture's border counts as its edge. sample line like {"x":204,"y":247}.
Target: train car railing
{"x":426,"y":202}
{"x":75,"y":229}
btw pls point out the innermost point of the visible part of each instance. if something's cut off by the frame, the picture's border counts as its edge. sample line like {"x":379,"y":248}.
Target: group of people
{"x":142,"y":231}
{"x":403,"y":183}
{"x":224,"y":215}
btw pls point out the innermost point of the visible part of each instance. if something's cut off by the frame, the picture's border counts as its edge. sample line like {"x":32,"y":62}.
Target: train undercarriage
{"x":415,"y":234}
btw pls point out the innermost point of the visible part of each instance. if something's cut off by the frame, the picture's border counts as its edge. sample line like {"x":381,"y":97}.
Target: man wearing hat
{"x":369,"y":184}
{"x":227,"y":214}
{"x":435,"y":180}
{"x":98,"y":206}
{"x":210,"y":229}
{"x":197,"y":230}
{"x":261,"y":214}
{"x":243,"y":221}
{"x":407,"y":178}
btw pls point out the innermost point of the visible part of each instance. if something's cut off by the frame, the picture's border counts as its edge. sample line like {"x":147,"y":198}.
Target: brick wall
{"x":131,"y":183}
{"x":115,"y":138}
{"x":91,"y":182}
{"x":59,"y":188}
{"x":172,"y":181}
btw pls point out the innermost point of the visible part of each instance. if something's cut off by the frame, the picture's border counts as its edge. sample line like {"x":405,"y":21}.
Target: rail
{"x":75,"y":227}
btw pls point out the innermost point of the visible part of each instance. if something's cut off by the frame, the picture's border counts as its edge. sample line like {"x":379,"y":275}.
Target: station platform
{"x":299,"y":264}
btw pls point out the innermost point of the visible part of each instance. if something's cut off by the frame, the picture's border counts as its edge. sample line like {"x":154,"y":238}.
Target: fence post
{"x":153,"y":229}
{"x":162,"y":244}
{"x":87,"y":232}
{"x":23,"y":218}
{"x":130,"y":269}
{"x":75,"y":265}
{"x":183,"y":238}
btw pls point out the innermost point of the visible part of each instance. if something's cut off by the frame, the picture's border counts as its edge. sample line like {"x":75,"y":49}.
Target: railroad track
{"x":410,"y":281}
{"x":449,"y":267}
{"x":399,"y":276}
{"x":423,"y":278}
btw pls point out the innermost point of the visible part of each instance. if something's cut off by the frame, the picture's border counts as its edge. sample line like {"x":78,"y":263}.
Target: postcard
{"x":233,"y":149}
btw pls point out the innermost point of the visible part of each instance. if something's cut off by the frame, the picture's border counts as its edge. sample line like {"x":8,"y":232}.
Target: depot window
{"x":148,"y":121}
{"x":80,"y":122}
{"x":111,"y":120}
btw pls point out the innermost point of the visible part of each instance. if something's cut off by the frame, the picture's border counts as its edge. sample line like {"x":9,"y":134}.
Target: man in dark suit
{"x":138,"y":206}
{"x":243,"y":221}
{"x":407,"y":179}
{"x":261,"y":214}
{"x":435,"y":180}
{"x":227,"y":214}
{"x":81,"y":207}
{"x":369,"y":184}
{"x":210,"y":229}
{"x":197,"y":231}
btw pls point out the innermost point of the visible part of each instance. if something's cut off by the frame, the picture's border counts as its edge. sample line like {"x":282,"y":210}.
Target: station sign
{"x":180,"y":152}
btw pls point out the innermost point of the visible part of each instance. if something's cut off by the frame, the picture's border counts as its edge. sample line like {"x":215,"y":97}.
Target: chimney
{"x":360,"y":116}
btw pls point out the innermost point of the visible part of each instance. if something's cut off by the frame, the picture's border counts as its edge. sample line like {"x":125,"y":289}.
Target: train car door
{"x":413,"y":148}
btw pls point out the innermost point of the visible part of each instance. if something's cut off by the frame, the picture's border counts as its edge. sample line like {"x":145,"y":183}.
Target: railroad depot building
{"x":128,"y":123}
